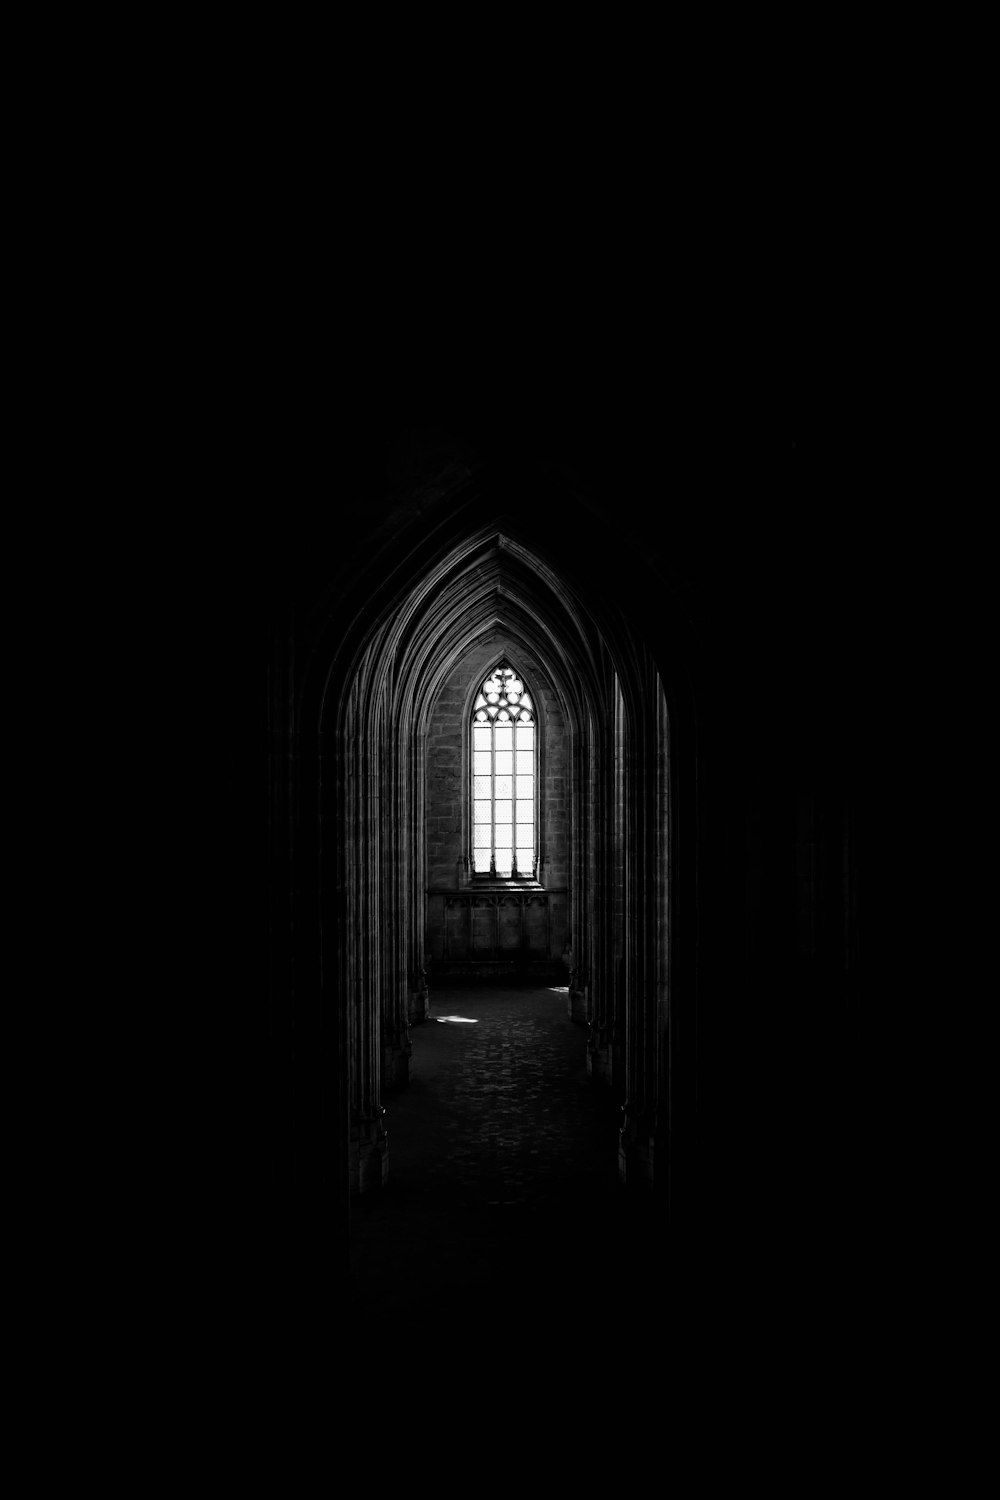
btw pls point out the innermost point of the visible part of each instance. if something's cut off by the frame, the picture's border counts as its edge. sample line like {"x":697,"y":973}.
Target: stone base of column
{"x":577,"y":1006}
{"x":418,"y":1007}
{"x":395,"y":1067}
{"x":369,"y":1154}
{"x":636,"y":1153}
{"x":397,"y":1049}
{"x":599,"y":1063}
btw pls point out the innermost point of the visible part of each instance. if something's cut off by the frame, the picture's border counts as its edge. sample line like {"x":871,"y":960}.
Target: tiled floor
{"x":502,"y":1214}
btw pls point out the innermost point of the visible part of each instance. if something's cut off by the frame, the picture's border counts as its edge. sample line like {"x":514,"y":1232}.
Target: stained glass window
{"x":503,"y":776}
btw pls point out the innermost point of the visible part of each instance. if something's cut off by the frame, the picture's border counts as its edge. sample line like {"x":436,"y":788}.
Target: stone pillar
{"x":579,"y":996}
{"x":599,"y":1051}
{"x":419,"y":1003}
{"x":579,"y":1004}
{"x":573,"y":1007}
{"x":636,"y":1146}
{"x":369,"y":1151}
{"x":396,"y":1053}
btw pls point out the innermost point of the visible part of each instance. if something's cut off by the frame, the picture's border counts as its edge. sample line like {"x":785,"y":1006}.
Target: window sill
{"x":478,"y":885}
{"x":504,"y":883}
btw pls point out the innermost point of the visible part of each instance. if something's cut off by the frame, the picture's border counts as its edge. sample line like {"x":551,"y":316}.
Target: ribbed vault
{"x":489,"y":584}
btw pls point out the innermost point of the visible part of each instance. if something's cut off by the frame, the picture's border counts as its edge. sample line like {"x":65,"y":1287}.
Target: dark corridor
{"x":504,"y":1247}
{"x":502,"y":1178}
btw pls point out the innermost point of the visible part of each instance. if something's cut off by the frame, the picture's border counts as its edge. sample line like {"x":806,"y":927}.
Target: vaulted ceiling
{"x":491,"y":587}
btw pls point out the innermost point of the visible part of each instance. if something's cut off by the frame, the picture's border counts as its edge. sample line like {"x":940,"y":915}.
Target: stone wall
{"x":448,"y":814}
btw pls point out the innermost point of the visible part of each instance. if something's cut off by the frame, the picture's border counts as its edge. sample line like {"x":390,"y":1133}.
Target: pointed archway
{"x":455,"y":582}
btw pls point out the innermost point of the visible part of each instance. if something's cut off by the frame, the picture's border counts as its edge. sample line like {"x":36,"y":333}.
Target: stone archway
{"x":610,"y":876}
{"x":446,"y":578}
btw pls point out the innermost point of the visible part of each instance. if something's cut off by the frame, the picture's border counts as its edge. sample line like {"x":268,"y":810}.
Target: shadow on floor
{"x":502,"y":1215}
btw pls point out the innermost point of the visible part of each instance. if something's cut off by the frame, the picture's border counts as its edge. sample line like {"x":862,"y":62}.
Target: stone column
{"x":601,"y":969}
{"x":369,"y":1150}
{"x":370,"y":932}
{"x":419,"y":1004}
{"x":643,"y":978}
{"x":396,"y":1053}
{"x":579,"y":998}
{"x":637,"y":1145}
{"x":599,"y":1050}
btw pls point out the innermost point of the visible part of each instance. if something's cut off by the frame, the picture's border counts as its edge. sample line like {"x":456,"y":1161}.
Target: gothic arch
{"x":460,"y":578}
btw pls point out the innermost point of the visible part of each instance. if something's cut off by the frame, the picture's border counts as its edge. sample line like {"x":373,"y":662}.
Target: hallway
{"x":502,"y":1213}
{"x":692,"y":800}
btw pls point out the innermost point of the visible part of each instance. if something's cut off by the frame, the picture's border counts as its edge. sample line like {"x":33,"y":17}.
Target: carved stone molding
{"x":496,"y":923}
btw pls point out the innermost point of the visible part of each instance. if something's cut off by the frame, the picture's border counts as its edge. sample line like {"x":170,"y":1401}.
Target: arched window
{"x":504,"y":757}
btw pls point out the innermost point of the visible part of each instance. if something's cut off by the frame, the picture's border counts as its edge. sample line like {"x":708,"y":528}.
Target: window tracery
{"x":504,"y":759}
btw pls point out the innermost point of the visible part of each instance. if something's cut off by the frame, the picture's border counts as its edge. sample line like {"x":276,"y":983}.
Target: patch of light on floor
{"x":465,"y":1020}
{"x":559,"y":989}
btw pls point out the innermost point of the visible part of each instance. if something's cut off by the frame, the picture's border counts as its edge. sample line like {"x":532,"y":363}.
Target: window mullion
{"x":513,"y":794}
{"x":493,"y":795}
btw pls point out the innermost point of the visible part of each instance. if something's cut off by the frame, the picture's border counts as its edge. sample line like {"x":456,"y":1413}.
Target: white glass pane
{"x":525,"y":837}
{"x":505,"y":812}
{"x":481,"y":810}
{"x":504,"y":861}
{"x":481,"y":716}
{"x":481,"y":861}
{"x":504,"y":736}
{"x":526,"y":702}
{"x":481,"y":763}
{"x":481,"y":837}
{"x":525,"y":736}
{"x":480,"y":702}
{"x":525,"y":811}
{"x":525,"y":788}
{"x":504,"y":786}
{"x":503,"y":717}
{"x":504,"y":763}
{"x":481,"y":737}
{"x":514,"y":685}
{"x":481,"y":786}
{"x":525,"y":762}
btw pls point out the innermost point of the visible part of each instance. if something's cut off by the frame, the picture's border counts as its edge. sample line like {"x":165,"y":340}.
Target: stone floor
{"x":502,"y":1217}
{"x":509,"y":1298}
